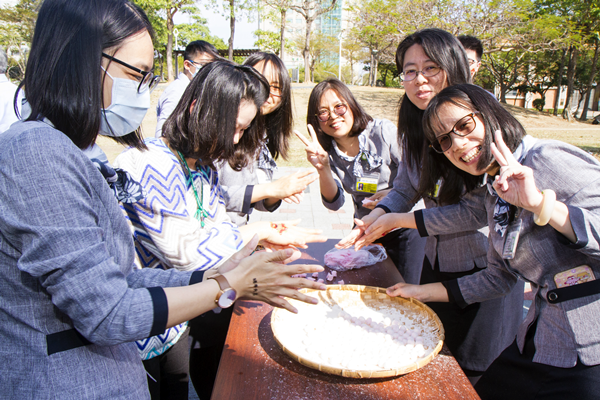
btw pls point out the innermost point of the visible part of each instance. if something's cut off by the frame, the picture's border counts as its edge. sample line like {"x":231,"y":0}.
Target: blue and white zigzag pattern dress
{"x":166,"y":234}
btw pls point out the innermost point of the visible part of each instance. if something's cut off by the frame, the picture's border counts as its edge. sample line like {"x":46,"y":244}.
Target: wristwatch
{"x":226,"y":296}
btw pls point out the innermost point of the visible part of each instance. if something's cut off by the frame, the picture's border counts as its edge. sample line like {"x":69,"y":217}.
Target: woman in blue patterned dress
{"x":182,"y":221}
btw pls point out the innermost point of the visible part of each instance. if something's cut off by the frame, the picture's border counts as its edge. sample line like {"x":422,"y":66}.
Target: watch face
{"x":227,"y":298}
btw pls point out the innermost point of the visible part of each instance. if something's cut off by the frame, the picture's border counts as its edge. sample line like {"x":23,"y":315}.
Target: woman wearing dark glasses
{"x":364,"y":155}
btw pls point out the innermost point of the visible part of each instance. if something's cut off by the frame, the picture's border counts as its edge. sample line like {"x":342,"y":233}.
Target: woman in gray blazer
{"x":544,"y":216}
{"x":71,"y":302}
{"x":430,"y":60}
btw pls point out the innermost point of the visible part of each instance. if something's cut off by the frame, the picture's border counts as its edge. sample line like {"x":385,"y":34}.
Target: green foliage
{"x":538,"y":104}
{"x":270,"y":41}
{"x":198,"y":30}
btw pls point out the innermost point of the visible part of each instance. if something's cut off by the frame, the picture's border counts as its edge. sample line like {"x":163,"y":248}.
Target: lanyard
{"x":200,"y":212}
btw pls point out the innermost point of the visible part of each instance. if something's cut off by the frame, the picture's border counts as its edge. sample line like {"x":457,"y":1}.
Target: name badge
{"x":367,"y":183}
{"x":512,"y":240}
{"x":574,"y":276}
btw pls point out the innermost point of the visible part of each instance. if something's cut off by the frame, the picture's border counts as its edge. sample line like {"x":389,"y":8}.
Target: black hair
{"x":63,"y":78}
{"x":279,"y":122}
{"x":472,"y":43}
{"x":494,"y":117}
{"x":204,"y":129}
{"x":446,"y":51}
{"x":200,"y":46}
{"x":361,"y":118}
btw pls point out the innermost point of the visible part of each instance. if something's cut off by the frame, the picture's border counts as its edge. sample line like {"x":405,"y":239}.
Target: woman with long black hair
{"x":431,"y":60}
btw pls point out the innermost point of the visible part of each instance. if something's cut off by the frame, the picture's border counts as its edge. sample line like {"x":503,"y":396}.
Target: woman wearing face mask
{"x":182,"y":222}
{"x":253,"y":187}
{"x":430,"y":60}
{"x":72,"y":302}
{"x":364,"y":155}
{"x":540,"y":200}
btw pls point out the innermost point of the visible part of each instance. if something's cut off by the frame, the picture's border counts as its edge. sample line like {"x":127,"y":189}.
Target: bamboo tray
{"x":347,"y":296}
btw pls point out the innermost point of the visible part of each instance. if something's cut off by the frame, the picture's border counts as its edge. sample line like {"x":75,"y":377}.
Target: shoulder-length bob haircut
{"x":494,"y":117}
{"x":445,"y":50}
{"x":203,"y":124}
{"x":63,"y":79}
{"x":361,"y":118}
{"x":279,"y":123}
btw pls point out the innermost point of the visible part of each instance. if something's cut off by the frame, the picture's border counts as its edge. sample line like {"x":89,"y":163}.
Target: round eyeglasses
{"x":324,"y":114}
{"x":427,"y":72}
{"x":148,"y":81}
{"x":461,"y":128}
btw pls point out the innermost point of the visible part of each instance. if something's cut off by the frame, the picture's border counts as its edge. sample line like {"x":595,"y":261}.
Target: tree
{"x":17,"y":24}
{"x":374,"y":28}
{"x":161,"y":11}
{"x":310,"y":10}
{"x":281,"y":7}
{"x":586,"y":103}
{"x":322,"y":47}
{"x":231,"y":9}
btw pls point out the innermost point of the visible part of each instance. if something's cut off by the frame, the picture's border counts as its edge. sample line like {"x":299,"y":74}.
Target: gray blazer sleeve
{"x":467,"y":215}
{"x":400,"y":198}
{"x":339,"y":199}
{"x":72,"y":238}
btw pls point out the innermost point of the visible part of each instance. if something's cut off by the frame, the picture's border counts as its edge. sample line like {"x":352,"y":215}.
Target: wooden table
{"x":254,"y":367}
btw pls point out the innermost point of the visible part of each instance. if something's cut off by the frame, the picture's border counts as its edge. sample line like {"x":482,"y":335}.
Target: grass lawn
{"x":383,"y":103}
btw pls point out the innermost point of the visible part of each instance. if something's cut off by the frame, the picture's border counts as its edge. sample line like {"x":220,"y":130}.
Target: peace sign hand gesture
{"x":515,"y":183}
{"x":314,"y":152}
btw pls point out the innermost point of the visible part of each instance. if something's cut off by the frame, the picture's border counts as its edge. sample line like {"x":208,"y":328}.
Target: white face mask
{"x":127,"y":110}
{"x":197,"y":67}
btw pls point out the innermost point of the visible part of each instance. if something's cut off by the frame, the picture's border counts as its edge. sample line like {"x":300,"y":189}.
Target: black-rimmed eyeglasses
{"x":148,"y":81}
{"x":324,"y":114}
{"x":461,"y":128}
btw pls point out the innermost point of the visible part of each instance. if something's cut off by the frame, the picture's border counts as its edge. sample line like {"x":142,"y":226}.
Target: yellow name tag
{"x":366,"y":185}
{"x":574,"y":276}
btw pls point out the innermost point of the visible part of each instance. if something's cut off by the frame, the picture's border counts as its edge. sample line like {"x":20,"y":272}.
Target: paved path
{"x":312,"y":212}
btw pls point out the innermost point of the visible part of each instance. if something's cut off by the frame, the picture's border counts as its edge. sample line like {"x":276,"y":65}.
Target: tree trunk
{"x":561,"y":68}
{"x":503,"y":90}
{"x":375,"y":71}
{"x":170,"y":27}
{"x":570,"y":80}
{"x":372,"y":62}
{"x":281,"y":39}
{"x":590,"y":83}
{"x":306,"y":51}
{"x":232,"y":28}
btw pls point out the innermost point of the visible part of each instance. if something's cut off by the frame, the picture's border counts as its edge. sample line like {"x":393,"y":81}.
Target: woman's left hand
{"x":287,"y":233}
{"x":514,"y":183}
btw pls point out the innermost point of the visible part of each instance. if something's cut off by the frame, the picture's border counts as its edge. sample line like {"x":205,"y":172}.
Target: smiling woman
{"x":544,"y":218}
{"x":71,"y":299}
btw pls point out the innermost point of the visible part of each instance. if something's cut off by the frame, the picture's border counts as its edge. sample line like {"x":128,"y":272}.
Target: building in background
{"x":331,"y":24}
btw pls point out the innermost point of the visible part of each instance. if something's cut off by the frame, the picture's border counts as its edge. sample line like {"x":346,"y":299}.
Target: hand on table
{"x":358,"y":231}
{"x":378,"y":229}
{"x":425,"y":293}
{"x":314,"y":152}
{"x":515,"y":183}
{"x":285,"y":233}
{"x":264,"y":276}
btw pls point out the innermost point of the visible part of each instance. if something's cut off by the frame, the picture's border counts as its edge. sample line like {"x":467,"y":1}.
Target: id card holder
{"x":367,"y":183}
{"x":574,"y":276}
{"x":512,"y":239}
